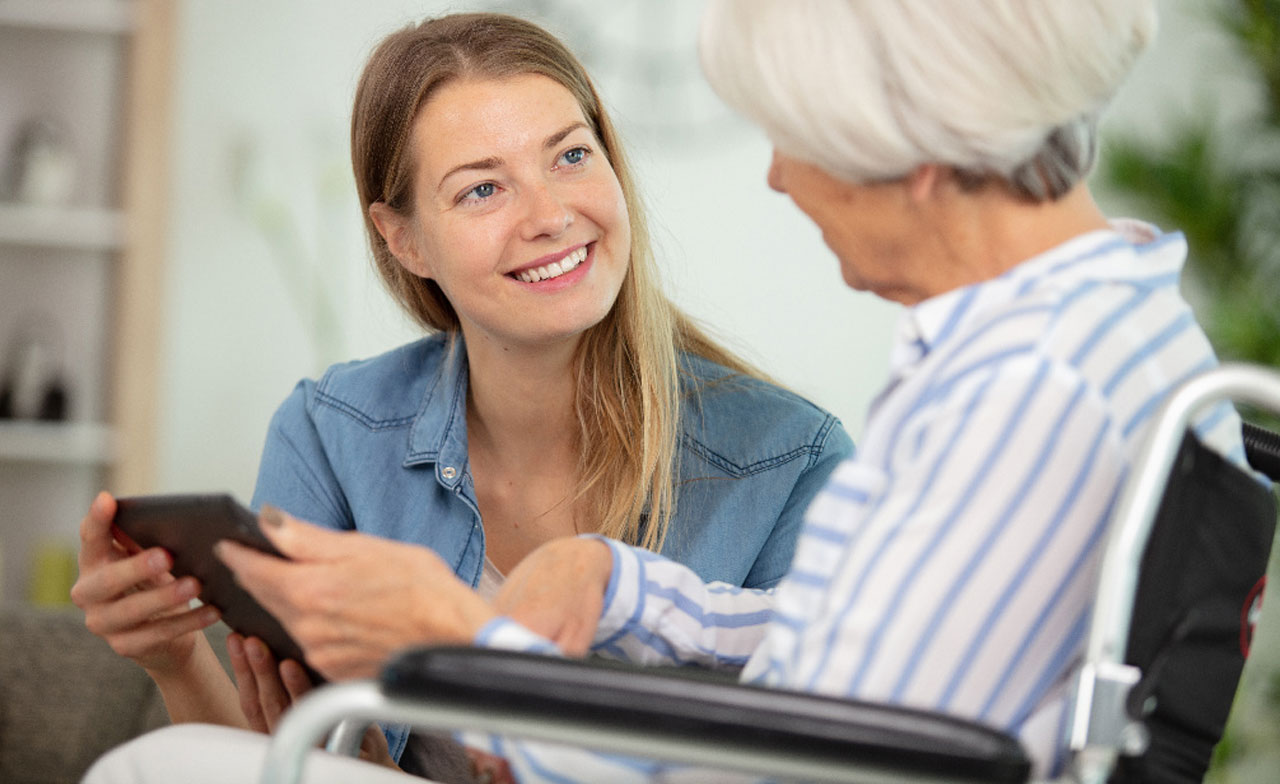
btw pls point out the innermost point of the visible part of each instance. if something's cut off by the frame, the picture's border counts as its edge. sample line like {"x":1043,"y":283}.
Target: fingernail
{"x":158,"y":561}
{"x":187,"y":589}
{"x":272,"y":516}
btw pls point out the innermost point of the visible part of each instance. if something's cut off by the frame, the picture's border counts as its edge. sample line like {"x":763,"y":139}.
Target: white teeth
{"x":555,"y":269}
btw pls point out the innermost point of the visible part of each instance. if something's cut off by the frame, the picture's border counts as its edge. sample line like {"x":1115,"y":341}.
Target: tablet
{"x":188,"y":526}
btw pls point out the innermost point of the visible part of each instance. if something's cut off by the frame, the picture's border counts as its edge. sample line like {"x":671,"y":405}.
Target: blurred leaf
{"x":1220,"y":186}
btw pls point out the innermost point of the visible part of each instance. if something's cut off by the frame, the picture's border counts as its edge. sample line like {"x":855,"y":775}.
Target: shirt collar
{"x":439,"y":431}
{"x":1130,"y":250}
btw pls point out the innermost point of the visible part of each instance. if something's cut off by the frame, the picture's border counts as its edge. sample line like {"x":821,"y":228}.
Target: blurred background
{"x":180,"y":242}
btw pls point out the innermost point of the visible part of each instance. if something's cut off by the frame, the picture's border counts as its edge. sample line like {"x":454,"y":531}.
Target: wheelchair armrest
{"x":679,"y":704}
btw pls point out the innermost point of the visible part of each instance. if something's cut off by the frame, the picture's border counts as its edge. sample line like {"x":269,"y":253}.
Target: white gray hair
{"x":870,"y":89}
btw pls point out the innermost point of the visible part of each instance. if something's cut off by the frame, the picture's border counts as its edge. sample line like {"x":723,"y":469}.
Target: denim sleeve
{"x":833,"y":446}
{"x":295,"y":473}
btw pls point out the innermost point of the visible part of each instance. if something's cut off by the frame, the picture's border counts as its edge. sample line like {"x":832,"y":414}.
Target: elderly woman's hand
{"x":351,"y":600}
{"x":558,"y":591}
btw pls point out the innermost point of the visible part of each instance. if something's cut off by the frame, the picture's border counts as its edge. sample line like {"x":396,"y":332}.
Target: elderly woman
{"x":942,"y":149}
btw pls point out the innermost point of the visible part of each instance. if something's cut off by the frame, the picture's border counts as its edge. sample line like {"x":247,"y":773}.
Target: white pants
{"x":208,"y":754}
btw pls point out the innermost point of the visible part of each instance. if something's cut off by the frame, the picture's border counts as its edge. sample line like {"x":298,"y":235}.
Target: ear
{"x":923,"y":182}
{"x":397,"y":230}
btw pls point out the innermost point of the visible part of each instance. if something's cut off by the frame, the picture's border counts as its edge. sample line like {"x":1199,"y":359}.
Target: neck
{"x":520,"y":402}
{"x":988,"y":233}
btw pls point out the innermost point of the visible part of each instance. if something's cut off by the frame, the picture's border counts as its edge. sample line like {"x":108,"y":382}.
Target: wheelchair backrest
{"x":1201,"y":578}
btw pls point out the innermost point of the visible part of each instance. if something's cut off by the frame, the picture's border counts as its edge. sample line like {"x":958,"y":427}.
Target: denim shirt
{"x":380,"y":446}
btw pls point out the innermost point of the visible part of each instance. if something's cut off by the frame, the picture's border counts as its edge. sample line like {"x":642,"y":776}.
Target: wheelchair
{"x":1181,"y":578}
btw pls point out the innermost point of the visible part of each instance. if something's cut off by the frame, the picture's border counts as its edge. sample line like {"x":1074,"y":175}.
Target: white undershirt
{"x":491,"y":581}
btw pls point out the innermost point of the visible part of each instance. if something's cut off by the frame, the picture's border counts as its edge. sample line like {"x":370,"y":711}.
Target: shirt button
{"x":448,"y":472}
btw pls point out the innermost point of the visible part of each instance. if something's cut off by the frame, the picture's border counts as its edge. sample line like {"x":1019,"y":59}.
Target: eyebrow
{"x":486,"y":164}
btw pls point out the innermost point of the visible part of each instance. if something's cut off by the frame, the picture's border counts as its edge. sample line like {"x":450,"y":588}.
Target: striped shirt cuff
{"x":505,"y":634}
{"x":624,"y":595}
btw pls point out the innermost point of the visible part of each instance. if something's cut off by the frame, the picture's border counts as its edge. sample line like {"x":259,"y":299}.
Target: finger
{"x":95,"y":531}
{"x":295,"y":679}
{"x":105,"y":582}
{"x":246,"y":684}
{"x":302,"y":541}
{"x":574,"y":639}
{"x":138,"y":641}
{"x":264,"y":576}
{"x":136,"y":609}
{"x":373,"y":747}
{"x":272,"y":695}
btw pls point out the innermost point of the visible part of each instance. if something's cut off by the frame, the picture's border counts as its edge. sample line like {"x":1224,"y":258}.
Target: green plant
{"x":1220,"y":185}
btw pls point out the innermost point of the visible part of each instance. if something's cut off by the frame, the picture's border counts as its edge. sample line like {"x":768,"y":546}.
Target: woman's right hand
{"x":130,"y":598}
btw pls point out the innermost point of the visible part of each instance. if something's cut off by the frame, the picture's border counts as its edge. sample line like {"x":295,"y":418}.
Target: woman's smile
{"x":565,"y":269}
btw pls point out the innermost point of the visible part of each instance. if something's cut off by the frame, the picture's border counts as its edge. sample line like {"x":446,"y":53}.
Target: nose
{"x":774,"y":177}
{"x":547,"y":216}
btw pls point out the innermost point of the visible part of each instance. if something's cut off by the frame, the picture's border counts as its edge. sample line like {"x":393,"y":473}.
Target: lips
{"x":554,"y":269}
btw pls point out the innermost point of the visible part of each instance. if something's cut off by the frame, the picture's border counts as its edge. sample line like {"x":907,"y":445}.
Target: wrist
{"x":452,"y":617}
{"x":181,"y":666}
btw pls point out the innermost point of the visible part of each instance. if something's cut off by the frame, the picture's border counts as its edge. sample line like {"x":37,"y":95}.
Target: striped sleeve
{"x":644,"y":588}
{"x":657,"y":611}
{"x":982,"y":526}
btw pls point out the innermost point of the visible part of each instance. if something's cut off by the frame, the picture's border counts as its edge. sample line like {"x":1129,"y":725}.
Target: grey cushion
{"x":65,"y":696}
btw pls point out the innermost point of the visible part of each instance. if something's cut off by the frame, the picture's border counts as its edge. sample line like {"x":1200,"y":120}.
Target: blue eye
{"x":575,"y":156}
{"x":479,"y":193}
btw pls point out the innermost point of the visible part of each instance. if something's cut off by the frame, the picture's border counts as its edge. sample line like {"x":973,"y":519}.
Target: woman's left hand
{"x":268,"y":690}
{"x":351,"y":600}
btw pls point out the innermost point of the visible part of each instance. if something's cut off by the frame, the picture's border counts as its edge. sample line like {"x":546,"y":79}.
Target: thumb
{"x":299,"y":540}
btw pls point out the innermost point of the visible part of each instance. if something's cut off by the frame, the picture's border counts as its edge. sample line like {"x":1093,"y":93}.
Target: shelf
{"x":79,"y":443}
{"x":86,"y":16}
{"x":61,"y":227}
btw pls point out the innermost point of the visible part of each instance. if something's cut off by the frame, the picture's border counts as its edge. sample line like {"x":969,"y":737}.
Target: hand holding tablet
{"x":188,"y":526}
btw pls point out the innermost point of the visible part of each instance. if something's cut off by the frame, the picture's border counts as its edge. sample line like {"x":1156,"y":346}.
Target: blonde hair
{"x":869,"y":89}
{"x":627,"y":368}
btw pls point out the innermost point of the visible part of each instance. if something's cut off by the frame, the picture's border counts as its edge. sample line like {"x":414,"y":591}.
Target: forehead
{"x":478,"y":118}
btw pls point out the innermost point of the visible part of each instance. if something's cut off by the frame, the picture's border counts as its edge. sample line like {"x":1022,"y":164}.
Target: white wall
{"x":264,"y":89}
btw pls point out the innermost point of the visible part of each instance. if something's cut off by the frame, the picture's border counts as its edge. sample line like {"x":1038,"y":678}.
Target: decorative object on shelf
{"x":42,"y":164}
{"x":53,"y":572}
{"x":34,"y":385}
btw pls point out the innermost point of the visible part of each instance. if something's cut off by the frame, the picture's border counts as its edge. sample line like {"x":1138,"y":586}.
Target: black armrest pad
{"x":694,"y":703}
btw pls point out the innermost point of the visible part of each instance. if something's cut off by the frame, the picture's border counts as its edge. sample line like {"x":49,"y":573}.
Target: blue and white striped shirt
{"x":951,"y":563}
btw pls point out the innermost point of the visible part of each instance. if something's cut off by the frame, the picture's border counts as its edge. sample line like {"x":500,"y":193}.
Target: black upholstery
{"x":694,"y":703}
{"x":1207,"y":553}
{"x":1262,"y":448}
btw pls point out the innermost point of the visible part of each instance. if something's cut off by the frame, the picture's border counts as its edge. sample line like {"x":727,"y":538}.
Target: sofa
{"x":65,"y":696}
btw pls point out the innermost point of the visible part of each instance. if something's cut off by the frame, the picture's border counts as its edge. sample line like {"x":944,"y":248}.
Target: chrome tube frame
{"x":1105,"y":679}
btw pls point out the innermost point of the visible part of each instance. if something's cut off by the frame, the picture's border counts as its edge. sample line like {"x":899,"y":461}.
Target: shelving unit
{"x":87,"y":16}
{"x":73,"y":443}
{"x":87,"y":272}
{"x":85,"y":228}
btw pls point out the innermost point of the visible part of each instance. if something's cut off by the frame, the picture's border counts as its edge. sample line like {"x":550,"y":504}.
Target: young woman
{"x":558,"y":393}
